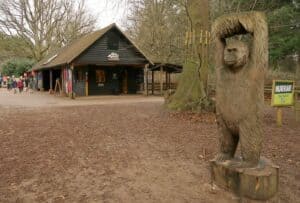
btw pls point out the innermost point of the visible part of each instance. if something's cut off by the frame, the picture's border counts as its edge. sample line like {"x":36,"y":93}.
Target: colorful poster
{"x":283,"y":93}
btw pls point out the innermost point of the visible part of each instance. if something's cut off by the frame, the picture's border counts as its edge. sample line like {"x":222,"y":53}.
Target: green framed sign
{"x":283,"y":93}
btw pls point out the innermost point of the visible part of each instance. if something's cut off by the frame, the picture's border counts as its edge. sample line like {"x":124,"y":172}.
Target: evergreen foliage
{"x":17,"y":66}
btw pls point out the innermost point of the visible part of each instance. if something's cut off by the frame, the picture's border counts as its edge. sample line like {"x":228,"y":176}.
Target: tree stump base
{"x":259,"y":183}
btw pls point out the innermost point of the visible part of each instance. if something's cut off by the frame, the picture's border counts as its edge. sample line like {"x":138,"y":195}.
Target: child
{"x":20,"y":85}
{"x":26,"y":81}
{"x":9,"y":83}
{"x":31,"y":84}
{"x":14,"y":84}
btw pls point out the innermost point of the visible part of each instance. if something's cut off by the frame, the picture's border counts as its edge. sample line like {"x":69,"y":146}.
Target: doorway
{"x":124,"y":81}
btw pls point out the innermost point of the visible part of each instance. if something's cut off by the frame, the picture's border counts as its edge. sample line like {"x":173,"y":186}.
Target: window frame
{"x":100,"y":76}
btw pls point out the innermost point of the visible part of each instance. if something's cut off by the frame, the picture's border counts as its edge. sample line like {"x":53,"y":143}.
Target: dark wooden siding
{"x":114,"y":85}
{"x":79,"y":88}
{"x":110,"y":86}
{"x":98,"y":52}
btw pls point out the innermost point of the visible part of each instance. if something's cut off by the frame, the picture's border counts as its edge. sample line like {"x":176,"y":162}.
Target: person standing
{"x":9,"y":83}
{"x":31,"y":84}
{"x":26,"y":82}
{"x":14,"y":84}
{"x":20,"y":85}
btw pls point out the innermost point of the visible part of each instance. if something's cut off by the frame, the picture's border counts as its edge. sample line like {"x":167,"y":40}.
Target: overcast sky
{"x":106,"y":11}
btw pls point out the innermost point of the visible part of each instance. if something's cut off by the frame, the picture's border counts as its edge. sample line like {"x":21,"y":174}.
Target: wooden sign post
{"x":57,"y":87}
{"x":282,"y":95}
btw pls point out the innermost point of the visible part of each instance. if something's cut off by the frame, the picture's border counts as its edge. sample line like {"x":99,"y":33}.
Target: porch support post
{"x":166,"y":82}
{"x":170,"y":86}
{"x":146,"y":80}
{"x":72,"y":81}
{"x":87,"y":83}
{"x":152,"y":82}
{"x":51,"y":81}
{"x":161,"y":80}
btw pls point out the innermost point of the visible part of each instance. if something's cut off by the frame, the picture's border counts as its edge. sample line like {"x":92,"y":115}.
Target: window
{"x":100,"y":76}
{"x":113,"y":42}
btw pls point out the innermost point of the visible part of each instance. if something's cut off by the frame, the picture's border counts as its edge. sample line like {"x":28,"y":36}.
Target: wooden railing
{"x":267,"y":90}
{"x":165,"y":87}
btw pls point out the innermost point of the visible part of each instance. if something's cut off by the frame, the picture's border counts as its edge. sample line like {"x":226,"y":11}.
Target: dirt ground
{"x":124,"y":152}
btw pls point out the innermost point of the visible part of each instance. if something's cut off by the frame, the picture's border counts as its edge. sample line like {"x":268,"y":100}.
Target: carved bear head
{"x":236,"y":55}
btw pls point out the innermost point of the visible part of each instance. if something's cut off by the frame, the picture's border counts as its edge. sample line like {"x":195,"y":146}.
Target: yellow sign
{"x":283,"y":93}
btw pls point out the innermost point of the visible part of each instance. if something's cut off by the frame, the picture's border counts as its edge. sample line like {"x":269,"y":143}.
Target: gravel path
{"x":44,"y":99}
{"x":125,"y":152}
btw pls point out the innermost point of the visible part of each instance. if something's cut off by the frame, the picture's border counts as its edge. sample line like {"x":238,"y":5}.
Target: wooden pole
{"x":170,"y":80}
{"x":161,"y":80}
{"x":72,"y":82}
{"x":87,"y":83}
{"x":279,"y":116}
{"x":152,"y":82}
{"x":166,"y":82}
{"x":170,"y":86}
{"x":61,"y":78}
{"x":146,"y":80}
{"x":51,"y":81}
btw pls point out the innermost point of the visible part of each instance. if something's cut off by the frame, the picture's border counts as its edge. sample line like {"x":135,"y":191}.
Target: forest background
{"x":32,"y":29}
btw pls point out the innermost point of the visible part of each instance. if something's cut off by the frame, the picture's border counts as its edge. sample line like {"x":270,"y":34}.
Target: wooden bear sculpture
{"x":240,"y":85}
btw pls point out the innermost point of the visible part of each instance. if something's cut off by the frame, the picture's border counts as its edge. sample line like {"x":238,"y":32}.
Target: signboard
{"x":283,"y":93}
{"x":113,"y":57}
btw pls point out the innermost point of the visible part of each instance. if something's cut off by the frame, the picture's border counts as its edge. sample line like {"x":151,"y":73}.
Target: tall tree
{"x":191,"y":93}
{"x":12,"y":46}
{"x":45,"y":24}
{"x":158,"y":27}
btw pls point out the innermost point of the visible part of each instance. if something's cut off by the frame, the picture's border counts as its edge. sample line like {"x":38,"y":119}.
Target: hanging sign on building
{"x":113,"y":57}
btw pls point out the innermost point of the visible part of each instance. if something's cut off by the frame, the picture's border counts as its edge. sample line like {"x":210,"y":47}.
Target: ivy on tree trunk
{"x":191,"y":93}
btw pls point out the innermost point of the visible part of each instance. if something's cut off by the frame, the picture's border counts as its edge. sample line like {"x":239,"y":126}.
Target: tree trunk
{"x":191,"y":93}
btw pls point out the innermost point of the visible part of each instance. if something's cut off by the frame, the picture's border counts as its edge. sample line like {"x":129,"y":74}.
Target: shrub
{"x":17,"y":66}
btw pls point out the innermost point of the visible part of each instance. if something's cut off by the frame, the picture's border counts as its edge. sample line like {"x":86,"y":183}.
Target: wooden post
{"x":166,"y":82}
{"x":279,"y":116}
{"x":152,"y":82}
{"x":62,"y":75}
{"x":169,"y":80}
{"x":170,"y":84}
{"x":146,"y":80}
{"x":86,"y":83}
{"x":161,"y":80}
{"x":72,"y":82}
{"x":51,"y":81}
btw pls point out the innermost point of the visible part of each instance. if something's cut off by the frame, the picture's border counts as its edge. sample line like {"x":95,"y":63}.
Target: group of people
{"x":19,"y":84}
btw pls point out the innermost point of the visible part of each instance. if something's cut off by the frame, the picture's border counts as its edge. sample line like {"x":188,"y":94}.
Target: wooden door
{"x":125,"y":82}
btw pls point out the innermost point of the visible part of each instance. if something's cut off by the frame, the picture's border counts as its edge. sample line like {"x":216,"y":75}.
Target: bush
{"x":17,"y":66}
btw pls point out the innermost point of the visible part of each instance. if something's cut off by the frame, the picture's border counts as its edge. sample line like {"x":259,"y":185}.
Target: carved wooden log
{"x":259,"y":183}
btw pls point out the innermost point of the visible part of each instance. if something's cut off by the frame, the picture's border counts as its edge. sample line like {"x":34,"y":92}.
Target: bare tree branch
{"x":45,"y":24}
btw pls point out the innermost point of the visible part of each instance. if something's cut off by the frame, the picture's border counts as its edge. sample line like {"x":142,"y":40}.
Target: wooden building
{"x":104,"y":62}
